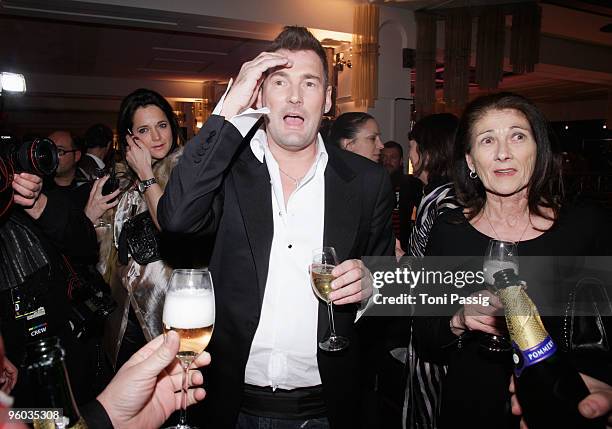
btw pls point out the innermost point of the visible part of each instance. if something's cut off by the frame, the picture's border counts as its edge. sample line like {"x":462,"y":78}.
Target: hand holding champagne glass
{"x":323,"y":262}
{"x":189,"y":309}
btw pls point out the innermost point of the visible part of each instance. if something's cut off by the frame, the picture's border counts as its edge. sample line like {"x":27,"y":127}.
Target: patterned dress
{"x":423,"y":387}
{"x":434,"y":203}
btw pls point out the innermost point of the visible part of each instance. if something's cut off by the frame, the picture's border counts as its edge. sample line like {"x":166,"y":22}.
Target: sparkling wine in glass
{"x":323,"y":262}
{"x":189,"y":310}
{"x":500,"y":255}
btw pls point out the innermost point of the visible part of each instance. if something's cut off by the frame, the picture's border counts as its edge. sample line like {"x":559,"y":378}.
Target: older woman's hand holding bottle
{"x":478,"y":317}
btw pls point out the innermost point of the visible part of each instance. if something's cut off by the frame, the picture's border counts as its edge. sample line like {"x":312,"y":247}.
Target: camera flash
{"x":12,"y":82}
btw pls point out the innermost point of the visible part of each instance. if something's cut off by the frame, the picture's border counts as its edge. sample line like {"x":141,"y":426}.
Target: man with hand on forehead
{"x":259,"y":175}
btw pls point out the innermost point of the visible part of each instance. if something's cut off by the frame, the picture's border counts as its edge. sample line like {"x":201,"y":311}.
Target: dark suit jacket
{"x":219,"y":185}
{"x":86,"y":169}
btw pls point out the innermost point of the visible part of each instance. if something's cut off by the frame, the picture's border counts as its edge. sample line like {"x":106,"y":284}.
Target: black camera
{"x":38,"y":156}
{"x":90,"y":301}
{"x":112,"y":183}
{"x":89,"y":310}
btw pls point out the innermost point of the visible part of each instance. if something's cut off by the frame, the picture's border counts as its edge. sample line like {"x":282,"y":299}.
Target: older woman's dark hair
{"x":435,"y":136}
{"x":141,"y":98}
{"x":545,"y":187}
{"x":346,"y":126}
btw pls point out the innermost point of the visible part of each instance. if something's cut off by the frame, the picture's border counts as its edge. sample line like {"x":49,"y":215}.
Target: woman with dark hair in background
{"x":357,"y":132}
{"x":508,"y":179}
{"x":149,"y":145}
{"x":431,"y":144}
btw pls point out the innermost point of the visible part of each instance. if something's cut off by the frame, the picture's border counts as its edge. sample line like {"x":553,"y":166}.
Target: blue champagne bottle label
{"x":531,"y":356}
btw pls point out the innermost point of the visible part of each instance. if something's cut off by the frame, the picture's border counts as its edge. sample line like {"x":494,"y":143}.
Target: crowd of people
{"x":249,"y":198}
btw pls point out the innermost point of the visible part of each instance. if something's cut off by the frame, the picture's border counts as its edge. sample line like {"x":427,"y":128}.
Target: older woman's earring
{"x":473,"y":174}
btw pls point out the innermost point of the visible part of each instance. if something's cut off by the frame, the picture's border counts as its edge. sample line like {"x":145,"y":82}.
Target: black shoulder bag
{"x":141,"y":239}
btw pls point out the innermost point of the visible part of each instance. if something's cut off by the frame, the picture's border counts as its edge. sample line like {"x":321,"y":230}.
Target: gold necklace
{"x":495,"y":232}
{"x":296,"y":181}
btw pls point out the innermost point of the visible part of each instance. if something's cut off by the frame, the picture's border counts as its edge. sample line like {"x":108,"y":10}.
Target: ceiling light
{"x":331,"y":35}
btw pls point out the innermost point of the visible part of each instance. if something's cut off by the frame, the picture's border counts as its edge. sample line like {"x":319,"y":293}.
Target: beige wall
{"x":397,"y":30}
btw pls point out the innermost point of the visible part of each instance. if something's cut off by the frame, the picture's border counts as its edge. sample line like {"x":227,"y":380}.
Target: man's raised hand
{"x":243,"y":92}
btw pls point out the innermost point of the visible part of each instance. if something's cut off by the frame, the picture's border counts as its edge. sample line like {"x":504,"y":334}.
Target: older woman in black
{"x":509,"y":180}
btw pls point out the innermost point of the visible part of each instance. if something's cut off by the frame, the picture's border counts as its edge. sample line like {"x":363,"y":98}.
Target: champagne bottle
{"x":49,"y":386}
{"x":547,"y":386}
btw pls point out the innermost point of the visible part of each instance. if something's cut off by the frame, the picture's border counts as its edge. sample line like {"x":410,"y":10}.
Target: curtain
{"x":458,"y":39}
{"x":525,"y":46}
{"x":365,"y":53}
{"x":208,"y":97}
{"x":425,"y":82}
{"x":490,"y":47}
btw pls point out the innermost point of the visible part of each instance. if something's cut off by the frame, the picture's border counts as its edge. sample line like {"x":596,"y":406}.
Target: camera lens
{"x":38,"y":157}
{"x":44,"y":157}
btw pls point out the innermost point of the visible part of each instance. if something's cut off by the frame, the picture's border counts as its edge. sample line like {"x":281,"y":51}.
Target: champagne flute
{"x":500,"y":255}
{"x":323,"y":262}
{"x":189,"y":310}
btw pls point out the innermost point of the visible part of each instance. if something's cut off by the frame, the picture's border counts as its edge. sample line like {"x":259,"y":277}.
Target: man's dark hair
{"x":435,"y":136}
{"x":346,"y":126}
{"x":294,"y":38}
{"x":545,"y":188}
{"x":395,"y":145}
{"x":78,"y":143}
{"x":98,"y":135}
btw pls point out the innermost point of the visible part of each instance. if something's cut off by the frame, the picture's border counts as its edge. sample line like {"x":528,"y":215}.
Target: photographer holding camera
{"x":35,"y":232}
{"x":85,"y":195}
{"x":90,"y":297}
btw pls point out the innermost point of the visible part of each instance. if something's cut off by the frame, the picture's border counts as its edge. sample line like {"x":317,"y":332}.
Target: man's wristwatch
{"x":143,"y":185}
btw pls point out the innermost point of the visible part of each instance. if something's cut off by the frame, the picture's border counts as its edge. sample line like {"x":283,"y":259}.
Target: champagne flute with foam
{"x":189,"y":309}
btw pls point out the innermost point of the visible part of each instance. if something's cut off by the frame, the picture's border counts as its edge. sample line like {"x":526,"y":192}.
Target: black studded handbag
{"x":141,"y":239}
